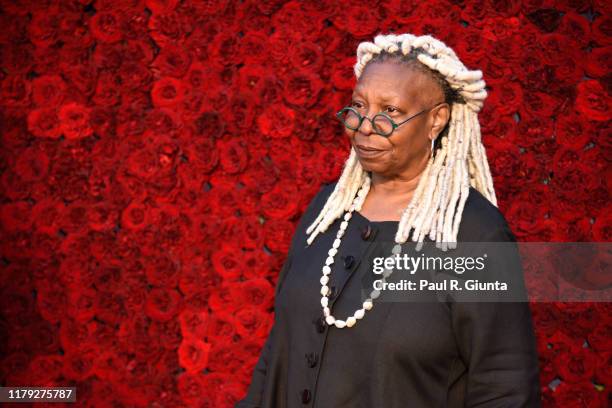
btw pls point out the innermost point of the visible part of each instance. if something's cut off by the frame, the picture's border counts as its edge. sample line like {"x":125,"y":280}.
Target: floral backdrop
{"x":157,"y":155}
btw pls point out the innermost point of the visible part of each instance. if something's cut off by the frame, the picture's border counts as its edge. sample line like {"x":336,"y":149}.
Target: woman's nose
{"x":366,"y":124}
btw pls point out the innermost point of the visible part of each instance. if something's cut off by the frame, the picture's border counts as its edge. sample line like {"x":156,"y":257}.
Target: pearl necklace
{"x":368,"y":303}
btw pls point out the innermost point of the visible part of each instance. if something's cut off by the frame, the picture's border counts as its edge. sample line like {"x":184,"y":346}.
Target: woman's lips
{"x":367,"y":151}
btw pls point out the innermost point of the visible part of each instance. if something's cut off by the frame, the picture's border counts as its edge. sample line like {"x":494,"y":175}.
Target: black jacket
{"x":400,"y":354}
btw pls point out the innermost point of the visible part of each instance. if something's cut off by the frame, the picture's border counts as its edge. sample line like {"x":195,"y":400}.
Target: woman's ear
{"x":440,"y":119}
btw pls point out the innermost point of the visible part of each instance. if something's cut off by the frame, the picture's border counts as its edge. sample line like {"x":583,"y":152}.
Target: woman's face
{"x":400,"y":92}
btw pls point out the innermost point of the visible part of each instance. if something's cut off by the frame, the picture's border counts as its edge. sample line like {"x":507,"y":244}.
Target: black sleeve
{"x":497,"y":343}
{"x":253,"y":399}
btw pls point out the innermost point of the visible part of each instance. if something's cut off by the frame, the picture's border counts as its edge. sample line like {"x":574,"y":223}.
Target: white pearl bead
{"x":343,"y":225}
{"x":340,"y":323}
{"x":329,"y":260}
{"x":397,"y":249}
{"x":347,"y":216}
{"x":367,"y":305}
{"x":350,"y":322}
{"x":326,"y":269}
{"x":359,"y":314}
{"x":324,"y":290}
{"x":375,"y":294}
{"x":324,"y":301}
{"x":332,"y":251}
{"x":324,"y":279}
{"x":326,"y":311}
{"x":336,"y":243}
{"x":330,"y":320}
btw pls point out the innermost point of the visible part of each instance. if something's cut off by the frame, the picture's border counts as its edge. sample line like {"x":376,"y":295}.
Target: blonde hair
{"x":459,"y":161}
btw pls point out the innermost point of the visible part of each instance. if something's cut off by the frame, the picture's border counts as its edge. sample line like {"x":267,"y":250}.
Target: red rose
{"x":16,"y":216}
{"x":135,"y":216}
{"x":193,"y":354}
{"x":257,"y":265}
{"x":596,"y":60}
{"x":107,"y":91}
{"x":249,"y":228}
{"x":172,"y":61}
{"x":161,"y":270}
{"x":110,"y":365}
{"x":540,"y":105}
{"x":78,"y":366}
{"x":278,"y":235}
{"x":603,"y":370}
{"x":168,"y":28}
{"x":525,"y":218}
{"x":573,"y":131}
{"x":45,"y":368}
{"x":578,"y":230}
{"x":602,"y":228}
{"x":252,"y":322}
{"x":15,"y":91}
{"x":226,"y":49}
{"x":102,"y":216}
{"x":226,"y":261}
{"x":261,"y":176}
{"x":192,"y":391}
{"x":221,"y":327}
{"x":162,"y":304}
{"x":255,"y":292}
{"x":277,"y":121}
{"x":279,"y":203}
{"x":330,"y":164}
{"x":168,"y":92}
{"x":592,"y":100}
{"x":168,"y":333}
{"x":194,"y":323}
{"x":583,"y":394}
{"x":158,"y":7}
{"x":82,"y":304}
{"x":547,"y":317}
{"x":600,"y":338}
{"x":44,"y":122}
{"x":106,"y":26}
{"x":225,"y":357}
{"x":600,"y":29}
{"x":109,"y":305}
{"x":43,"y":29}
{"x":574,"y":183}
{"x":234,"y":155}
{"x":302,"y":88}
{"x":202,"y":154}
{"x":32,"y":165}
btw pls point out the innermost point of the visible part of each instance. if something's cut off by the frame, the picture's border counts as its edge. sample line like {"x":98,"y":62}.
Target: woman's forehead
{"x":391,"y":81}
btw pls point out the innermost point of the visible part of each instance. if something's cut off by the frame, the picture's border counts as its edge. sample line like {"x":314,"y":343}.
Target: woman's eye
{"x":355,"y":104}
{"x":393,"y":109}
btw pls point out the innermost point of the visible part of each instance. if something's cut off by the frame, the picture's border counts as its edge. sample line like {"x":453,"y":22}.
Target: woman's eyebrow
{"x":386,"y":98}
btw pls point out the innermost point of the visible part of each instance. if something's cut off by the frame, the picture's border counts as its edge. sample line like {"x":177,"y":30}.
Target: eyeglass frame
{"x":393,"y":124}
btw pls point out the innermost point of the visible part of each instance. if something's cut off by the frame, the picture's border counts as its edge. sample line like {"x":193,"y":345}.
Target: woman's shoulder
{"x":481,"y":220}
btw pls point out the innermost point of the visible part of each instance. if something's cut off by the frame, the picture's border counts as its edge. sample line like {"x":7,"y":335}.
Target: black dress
{"x":400,"y":354}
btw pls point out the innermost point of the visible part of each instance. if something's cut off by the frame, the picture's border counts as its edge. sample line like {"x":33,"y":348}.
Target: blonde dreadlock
{"x":459,"y":161}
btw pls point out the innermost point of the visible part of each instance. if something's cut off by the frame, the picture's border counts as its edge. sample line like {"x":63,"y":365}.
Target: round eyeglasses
{"x":382,"y":124}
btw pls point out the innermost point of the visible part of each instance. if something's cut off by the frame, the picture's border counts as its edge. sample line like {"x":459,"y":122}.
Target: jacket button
{"x":349,"y":260}
{"x":320,"y":324}
{"x":366,"y":233}
{"x":311,"y":359}
{"x":306,"y":396}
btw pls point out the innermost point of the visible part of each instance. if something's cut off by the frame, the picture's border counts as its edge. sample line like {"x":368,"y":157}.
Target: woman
{"x":417,"y":170}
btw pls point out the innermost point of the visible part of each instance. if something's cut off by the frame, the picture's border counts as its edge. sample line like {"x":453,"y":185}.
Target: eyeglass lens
{"x":381,"y":124}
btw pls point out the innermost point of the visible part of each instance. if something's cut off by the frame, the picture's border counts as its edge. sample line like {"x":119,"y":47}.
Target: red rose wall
{"x":157,"y":156}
